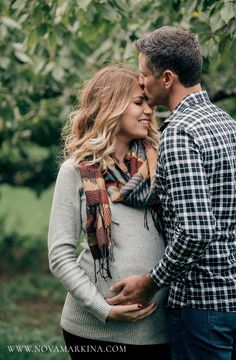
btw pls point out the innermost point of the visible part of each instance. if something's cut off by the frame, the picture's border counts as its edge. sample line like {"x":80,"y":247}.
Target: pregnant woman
{"x":105,"y":201}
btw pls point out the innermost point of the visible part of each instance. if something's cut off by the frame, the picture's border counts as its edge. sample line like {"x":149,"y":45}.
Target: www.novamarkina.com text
{"x":61,"y":349}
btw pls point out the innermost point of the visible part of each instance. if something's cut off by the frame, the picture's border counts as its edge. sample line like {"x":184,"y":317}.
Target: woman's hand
{"x":131,"y":312}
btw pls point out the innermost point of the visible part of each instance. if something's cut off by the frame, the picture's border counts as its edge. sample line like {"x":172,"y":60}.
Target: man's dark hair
{"x":173,"y":48}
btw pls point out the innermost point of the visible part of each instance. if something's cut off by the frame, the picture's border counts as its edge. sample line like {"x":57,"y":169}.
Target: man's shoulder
{"x":200,"y":116}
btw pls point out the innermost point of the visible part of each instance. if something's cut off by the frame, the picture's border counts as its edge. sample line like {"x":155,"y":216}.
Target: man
{"x":196,"y":183}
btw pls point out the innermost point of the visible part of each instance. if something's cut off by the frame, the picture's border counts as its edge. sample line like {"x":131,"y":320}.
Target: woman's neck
{"x":121,"y":149}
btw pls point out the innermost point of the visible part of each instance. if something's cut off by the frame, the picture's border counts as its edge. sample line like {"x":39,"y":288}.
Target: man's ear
{"x":168,"y":77}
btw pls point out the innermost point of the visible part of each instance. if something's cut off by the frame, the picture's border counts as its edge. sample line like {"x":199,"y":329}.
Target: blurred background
{"x":47,"y":49}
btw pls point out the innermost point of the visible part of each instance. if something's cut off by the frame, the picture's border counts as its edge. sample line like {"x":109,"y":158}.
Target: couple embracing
{"x":157,"y":270}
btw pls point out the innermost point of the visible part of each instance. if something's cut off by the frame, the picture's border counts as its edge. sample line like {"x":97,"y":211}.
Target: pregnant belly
{"x":126,"y":263}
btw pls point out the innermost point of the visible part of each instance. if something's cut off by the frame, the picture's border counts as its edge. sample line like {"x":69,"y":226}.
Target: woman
{"x":104,"y":191}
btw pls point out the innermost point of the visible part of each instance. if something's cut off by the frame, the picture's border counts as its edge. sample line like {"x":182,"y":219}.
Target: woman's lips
{"x":144,"y":122}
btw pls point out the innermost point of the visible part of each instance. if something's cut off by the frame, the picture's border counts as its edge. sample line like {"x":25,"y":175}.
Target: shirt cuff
{"x":159,"y":276}
{"x":99,"y":308}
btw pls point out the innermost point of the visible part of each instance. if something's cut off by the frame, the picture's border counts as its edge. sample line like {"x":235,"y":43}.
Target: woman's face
{"x":134,"y":123}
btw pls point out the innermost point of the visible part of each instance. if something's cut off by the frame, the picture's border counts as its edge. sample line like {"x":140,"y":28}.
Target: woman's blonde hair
{"x":92,"y":128}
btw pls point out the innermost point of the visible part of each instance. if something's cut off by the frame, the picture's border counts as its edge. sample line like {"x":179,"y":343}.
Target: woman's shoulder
{"x":68,"y":164}
{"x":69,"y":169}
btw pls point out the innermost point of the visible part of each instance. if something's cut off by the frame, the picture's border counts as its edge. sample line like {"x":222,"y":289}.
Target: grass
{"x":31,"y":299}
{"x":24,"y":212}
{"x":30,"y":309}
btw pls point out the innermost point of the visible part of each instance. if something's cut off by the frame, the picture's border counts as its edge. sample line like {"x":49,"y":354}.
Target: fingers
{"x":117,"y":286}
{"x":146,"y":312}
{"x":131,"y":308}
{"x":131,"y":313}
{"x":124,"y":312}
{"x":115,"y":300}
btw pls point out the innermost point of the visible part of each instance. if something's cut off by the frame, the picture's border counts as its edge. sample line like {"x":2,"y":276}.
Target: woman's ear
{"x":168,"y":77}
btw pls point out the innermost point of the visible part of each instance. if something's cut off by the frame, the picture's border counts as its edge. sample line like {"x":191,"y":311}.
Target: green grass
{"x":24,"y":212}
{"x":31,"y":299}
{"x":30,"y":309}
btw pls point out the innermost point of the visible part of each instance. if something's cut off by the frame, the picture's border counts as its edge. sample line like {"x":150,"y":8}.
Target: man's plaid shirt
{"x":196,"y":182}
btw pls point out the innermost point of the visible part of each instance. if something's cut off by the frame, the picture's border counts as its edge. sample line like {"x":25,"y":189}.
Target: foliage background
{"x":48,"y":48}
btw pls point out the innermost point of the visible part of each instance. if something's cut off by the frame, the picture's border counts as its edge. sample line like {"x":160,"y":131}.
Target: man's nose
{"x":141,"y":80}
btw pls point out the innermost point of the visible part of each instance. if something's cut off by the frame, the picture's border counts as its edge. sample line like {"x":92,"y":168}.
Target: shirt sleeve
{"x":188,"y":195}
{"x":63,"y":239}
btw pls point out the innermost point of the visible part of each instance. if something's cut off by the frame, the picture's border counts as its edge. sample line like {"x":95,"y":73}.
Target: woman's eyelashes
{"x":139,"y":101}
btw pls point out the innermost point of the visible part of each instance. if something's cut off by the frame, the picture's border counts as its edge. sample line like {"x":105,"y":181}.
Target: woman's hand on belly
{"x":131,"y":313}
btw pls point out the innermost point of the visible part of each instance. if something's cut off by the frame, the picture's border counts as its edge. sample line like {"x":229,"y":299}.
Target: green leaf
{"x":19,"y":5}
{"x":33,"y":39}
{"x":61,"y":9}
{"x":58,"y":73}
{"x":209,"y":48}
{"x":228,"y":12}
{"x":4,"y":62}
{"x":42,"y":29}
{"x":50,"y":65}
{"x":10,"y":23}
{"x":83,"y":4}
{"x":23,"y":57}
{"x":111,"y":14}
{"x":52,"y":40}
{"x":39,"y":65}
{"x":216,"y":22}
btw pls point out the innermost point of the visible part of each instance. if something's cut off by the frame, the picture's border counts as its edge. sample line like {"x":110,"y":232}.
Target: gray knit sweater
{"x":136,"y":251}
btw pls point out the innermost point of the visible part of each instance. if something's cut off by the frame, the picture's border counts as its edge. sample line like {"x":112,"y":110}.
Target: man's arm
{"x":190,"y":198}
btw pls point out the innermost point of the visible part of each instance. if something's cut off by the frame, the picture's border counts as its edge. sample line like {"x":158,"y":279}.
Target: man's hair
{"x":173,"y":48}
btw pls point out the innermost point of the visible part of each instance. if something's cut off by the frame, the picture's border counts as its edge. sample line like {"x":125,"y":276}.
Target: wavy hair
{"x":91,"y":131}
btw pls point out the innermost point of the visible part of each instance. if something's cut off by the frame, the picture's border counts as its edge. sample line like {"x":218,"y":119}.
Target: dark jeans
{"x":78,"y":346}
{"x":197,"y":334}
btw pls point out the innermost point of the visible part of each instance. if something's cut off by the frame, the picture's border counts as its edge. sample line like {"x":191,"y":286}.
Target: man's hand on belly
{"x":134,"y":290}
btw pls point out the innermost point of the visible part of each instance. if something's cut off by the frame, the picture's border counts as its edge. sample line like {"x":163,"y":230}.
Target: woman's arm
{"x":63,"y":239}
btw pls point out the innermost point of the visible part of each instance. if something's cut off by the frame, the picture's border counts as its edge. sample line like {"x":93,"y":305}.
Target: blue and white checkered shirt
{"x":196,"y":182}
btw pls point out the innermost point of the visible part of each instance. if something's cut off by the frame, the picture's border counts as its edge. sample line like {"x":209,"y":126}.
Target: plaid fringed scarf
{"x":134,"y":188}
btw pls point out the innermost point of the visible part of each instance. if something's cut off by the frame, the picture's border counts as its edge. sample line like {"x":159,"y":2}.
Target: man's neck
{"x":179,"y":92}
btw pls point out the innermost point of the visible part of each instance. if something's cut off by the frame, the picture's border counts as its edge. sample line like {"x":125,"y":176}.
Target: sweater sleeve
{"x":63,"y":239}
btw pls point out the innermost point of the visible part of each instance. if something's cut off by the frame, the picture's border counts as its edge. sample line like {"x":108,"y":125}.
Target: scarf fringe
{"x":157,"y":219}
{"x":104,"y":265}
{"x":146,"y":219}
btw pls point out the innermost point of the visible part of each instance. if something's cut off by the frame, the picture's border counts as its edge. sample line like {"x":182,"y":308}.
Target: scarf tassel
{"x":157,"y":219}
{"x":146,"y":219}
{"x":104,"y":266}
{"x":105,"y":250}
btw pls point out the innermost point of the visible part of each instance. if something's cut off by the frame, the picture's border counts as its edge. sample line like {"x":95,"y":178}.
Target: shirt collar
{"x":189,"y":101}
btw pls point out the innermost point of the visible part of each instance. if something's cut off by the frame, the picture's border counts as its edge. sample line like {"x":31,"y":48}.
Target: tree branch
{"x":223,"y":94}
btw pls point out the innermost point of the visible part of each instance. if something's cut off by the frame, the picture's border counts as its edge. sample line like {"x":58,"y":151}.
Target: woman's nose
{"x":148,"y":110}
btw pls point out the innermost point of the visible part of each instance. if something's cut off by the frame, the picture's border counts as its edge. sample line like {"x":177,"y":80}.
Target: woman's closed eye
{"x":139,"y":100}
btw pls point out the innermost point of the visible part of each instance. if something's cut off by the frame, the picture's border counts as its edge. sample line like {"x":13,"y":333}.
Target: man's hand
{"x":134,"y":290}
